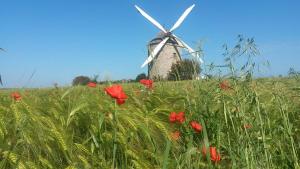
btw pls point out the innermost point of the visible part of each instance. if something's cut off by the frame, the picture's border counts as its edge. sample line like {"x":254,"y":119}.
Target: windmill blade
{"x":182,"y":17}
{"x":155,"y":51}
{"x":150,"y":19}
{"x":189,"y":49}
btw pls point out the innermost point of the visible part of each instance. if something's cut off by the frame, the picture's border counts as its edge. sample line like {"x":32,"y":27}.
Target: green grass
{"x":74,"y":127}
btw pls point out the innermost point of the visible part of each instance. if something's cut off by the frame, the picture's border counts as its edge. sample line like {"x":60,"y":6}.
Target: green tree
{"x":186,"y":69}
{"x":81,"y":80}
{"x":140,"y":76}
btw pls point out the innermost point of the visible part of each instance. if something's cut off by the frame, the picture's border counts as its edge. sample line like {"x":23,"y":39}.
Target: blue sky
{"x":57,"y":40}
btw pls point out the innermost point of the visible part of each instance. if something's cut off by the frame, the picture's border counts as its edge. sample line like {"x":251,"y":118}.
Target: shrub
{"x":184,"y":70}
{"x":81,"y":80}
{"x":140,"y":77}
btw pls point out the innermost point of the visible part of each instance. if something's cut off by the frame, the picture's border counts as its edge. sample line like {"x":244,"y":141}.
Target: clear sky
{"x":56,"y":40}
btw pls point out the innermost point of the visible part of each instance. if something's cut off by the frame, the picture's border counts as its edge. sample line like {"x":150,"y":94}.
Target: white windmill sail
{"x":188,"y":48}
{"x":155,"y":51}
{"x":151,"y":19}
{"x":182,"y":17}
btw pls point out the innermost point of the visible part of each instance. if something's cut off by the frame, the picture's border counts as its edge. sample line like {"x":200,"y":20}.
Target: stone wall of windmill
{"x":162,"y":63}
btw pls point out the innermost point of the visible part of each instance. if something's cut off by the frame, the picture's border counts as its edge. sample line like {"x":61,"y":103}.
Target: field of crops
{"x":184,"y":125}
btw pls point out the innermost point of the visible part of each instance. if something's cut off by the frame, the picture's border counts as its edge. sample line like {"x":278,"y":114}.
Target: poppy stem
{"x":114,"y":135}
{"x":166,"y":154}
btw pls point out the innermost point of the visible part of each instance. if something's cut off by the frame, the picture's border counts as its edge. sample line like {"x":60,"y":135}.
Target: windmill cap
{"x":160,"y":36}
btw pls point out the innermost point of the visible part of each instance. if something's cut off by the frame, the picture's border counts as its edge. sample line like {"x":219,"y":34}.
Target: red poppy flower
{"x":172,"y":117}
{"x":177,"y":117}
{"x":196,"y":126}
{"x":224,"y":85}
{"x":116,"y":92}
{"x":92,"y":84}
{"x":175,"y":135}
{"x":16,"y":96}
{"x":214,"y":155}
{"x":120,"y":101}
{"x":147,"y":82}
{"x":180,"y":117}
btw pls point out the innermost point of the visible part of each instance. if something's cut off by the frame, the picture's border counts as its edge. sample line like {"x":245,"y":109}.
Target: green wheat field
{"x":253,"y":124}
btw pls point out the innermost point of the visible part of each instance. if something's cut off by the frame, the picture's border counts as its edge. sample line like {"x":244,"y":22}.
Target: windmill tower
{"x":164,"y":50}
{"x":166,"y":57}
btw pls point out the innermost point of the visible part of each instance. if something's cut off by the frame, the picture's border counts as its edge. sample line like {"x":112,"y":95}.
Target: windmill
{"x":164,"y":50}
